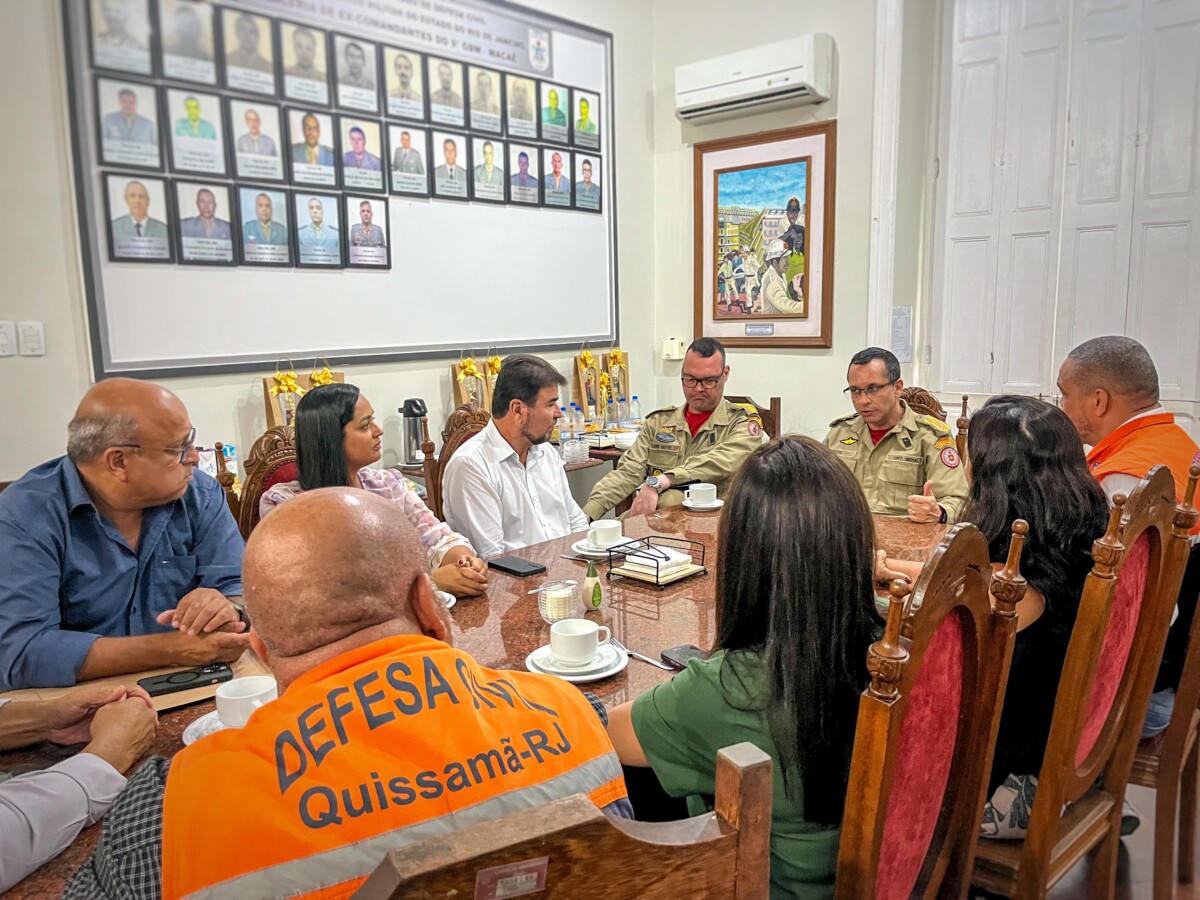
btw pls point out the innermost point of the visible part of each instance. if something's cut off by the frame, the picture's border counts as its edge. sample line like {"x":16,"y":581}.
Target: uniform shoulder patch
{"x":949,"y":458}
{"x":662,"y":409}
{"x":843,"y":420}
{"x":943,"y":443}
{"x":754,"y":427}
{"x":936,"y":423}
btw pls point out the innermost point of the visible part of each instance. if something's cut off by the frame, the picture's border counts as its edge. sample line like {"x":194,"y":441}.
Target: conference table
{"x":503,"y":627}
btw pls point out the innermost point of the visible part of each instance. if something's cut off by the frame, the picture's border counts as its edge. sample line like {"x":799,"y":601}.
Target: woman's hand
{"x":463,"y":577}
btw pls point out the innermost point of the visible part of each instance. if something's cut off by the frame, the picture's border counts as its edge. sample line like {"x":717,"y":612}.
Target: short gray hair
{"x":90,"y":436}
{"x":1119,"y":365}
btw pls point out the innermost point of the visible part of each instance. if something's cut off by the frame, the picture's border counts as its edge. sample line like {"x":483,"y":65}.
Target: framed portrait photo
{"x":489,"y":178}
{"x":127,"y":112}
{"x":356,"y":66}
{"x":404,"y":80}
{"x":555,"y":112}
{"x":249,"y":46}
{"x":120,"y":35}
{"x":520,"y":101}
{"x":524,"y":183}
{"x":449,"y":151}
{"x":408,"y":153}
{"x":556,"y":178}
{"x":486,"y":95}
{"x":138,"y":212}
{"x":263,"y":215}
{"x":588,"y":181}
{"x":256,"y":138}
{"x":205,"y":235}
{"x":188,"y":42}
{"x":368,"y":242}
{"x":311,"y":142}
{"x":318,"y":226}
{"x":772,"y":286}
{"x":360,"y":154}
{"x":305,"y":53}
{"x":586,"y":127}
{"x":445,"y":80}
{"x":197,"y":138}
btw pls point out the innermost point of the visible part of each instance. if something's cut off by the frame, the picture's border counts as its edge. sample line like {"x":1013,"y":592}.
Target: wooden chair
{"x":1170,"y":764}
{"x":922,"y":402}
{"x":271,"y":460}
{"x":464,"y":423}
{"x":584,"y":853}
{"x":927,"y":724}
{"x":226,"y":479}
{"x":1102,"y":698}
{"x":771,"y":415}
{"x":962,"y":424}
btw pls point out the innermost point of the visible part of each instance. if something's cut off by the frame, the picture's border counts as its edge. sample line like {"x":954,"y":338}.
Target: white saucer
{"x":207,"y":724}
{"x":716,"y":504}
{"x":448,"y":599}
{"x":604,"y":657}
{"x":617,"y":661}
{"x":587,"y":549}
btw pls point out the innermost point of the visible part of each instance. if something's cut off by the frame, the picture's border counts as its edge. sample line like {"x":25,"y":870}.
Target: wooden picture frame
{"x":587,"y":387}
{"x":741,"y":192}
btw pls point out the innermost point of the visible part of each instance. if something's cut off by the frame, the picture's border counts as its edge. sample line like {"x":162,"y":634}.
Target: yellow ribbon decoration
{"x":324,"y":376}
{"x":587,"y":359}
{"x":285,"y":383}
{"x":616,"y":357}
{"x":467,"y":369}
{"x":493,"y":365}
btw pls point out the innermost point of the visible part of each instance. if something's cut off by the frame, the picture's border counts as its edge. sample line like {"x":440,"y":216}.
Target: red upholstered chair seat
{"x":927,"y":740}
{"x":289,"y":471}
{"x":1114,"y":653}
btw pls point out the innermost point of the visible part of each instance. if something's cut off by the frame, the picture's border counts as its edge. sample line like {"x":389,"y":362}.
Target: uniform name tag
{"x":904,"y":458}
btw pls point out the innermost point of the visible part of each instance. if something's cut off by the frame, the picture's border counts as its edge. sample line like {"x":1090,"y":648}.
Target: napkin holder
{"x":650,"y":553}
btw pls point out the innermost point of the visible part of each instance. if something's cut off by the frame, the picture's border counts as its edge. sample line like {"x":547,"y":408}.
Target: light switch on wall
{"x":8,"y":338}
{"x":31,"y":338}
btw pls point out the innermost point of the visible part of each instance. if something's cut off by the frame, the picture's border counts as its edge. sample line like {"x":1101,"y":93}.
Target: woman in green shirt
{"x":794,"y":621}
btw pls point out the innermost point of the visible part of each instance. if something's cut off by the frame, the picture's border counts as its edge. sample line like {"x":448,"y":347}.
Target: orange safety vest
{"x":403,"y":739}
{"x":1140,"y":444}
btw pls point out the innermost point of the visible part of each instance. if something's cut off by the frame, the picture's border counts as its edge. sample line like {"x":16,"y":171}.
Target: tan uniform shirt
{"x":667,"y":446}
{"x":917,"y":450}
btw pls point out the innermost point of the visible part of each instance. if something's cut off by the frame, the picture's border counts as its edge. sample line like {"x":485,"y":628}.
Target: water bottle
{"x":576,"y":422}
{"x":610,"y":415}
{"x":635,"y":411}
{"x":622,"y":412}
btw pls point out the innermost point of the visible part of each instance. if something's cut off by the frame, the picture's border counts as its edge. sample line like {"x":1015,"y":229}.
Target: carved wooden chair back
{"x":569,"y":848}
{"x":271,"y":460}
{"x":1171,"y":764}
{"x":226,"y":480}
{"x":927,"y":724}
{"x":464,"y":423}
{"x":922,"y":402}
{"x":1103,"y":694}
{"x":963,"y":424}
{"x":771,"y":415}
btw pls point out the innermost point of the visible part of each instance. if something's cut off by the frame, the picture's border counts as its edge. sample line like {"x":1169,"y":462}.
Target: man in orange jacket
{"x":383,"y":733}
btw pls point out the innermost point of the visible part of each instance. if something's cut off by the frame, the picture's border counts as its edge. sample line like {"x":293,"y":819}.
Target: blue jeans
{"x":1158,"y":716}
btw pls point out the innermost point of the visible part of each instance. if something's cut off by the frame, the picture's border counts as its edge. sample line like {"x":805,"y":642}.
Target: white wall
{"x":808,"y":381}
{"x":42,"y":279}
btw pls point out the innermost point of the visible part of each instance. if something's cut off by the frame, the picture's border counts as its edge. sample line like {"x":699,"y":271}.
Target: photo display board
{"x":266,"y":178}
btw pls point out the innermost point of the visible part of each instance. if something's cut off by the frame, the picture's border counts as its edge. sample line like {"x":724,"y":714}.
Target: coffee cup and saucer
{"x":702,"y":496}
{"x":577,"y":652}
{"x":236,"y":701}
{"x":603,"y":535}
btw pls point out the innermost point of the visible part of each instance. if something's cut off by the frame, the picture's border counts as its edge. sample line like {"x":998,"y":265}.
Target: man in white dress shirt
{"x":506,"y":488}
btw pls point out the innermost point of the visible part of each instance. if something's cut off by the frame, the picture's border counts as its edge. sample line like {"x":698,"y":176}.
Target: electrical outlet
{"x":31,"y":338}
{"x":8,"y":338}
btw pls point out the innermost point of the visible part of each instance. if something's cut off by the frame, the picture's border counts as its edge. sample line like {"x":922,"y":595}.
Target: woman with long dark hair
{"x":1026,"y":462}
{"x":337,"y":442}
{"x":794,"y":620}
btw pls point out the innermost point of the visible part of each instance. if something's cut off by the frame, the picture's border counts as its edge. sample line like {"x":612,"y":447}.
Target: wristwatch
{"x":942,"y":520}
{"x":241,"y":611}
{"x":655,"y":482}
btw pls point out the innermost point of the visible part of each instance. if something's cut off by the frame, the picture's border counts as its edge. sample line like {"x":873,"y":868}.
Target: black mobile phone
{"x":514,"y":565}
{"x":201,"y":676}
{"x":678,"y":657}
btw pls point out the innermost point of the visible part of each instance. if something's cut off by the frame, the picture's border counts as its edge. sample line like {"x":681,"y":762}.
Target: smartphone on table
{"x":677,"y":657}
{"x":514,"y":565}
{"x":201,"y":676}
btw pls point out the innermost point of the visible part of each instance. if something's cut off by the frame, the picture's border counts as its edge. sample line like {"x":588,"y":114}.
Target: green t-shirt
{"x":683,"y":723}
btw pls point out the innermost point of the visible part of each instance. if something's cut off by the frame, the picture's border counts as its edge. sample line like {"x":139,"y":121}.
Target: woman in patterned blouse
{"x":337,"y":442}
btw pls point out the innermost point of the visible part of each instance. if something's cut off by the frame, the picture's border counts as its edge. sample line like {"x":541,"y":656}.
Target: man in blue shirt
{"x":120,"y":556}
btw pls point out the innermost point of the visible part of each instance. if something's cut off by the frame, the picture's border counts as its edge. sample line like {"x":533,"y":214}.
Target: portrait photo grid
{"x":228,"y":137}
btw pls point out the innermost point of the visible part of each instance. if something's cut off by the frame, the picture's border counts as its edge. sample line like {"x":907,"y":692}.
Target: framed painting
{"x":764,"y":220}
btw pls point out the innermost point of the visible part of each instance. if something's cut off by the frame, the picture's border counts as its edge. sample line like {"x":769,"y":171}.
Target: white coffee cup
{"x":701,"y":494}
{"x":605,"y":533}
{"x":574,"y":642}
{"x":238,"y":698}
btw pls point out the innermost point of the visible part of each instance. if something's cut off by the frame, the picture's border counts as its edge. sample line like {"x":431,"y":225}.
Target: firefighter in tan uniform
{"x":703,"y":440}
{"x":906,"y":463}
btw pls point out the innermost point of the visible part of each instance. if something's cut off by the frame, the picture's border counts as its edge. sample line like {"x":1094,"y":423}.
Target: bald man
{"x":120,"y":556}
{"x":383,"y":733}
